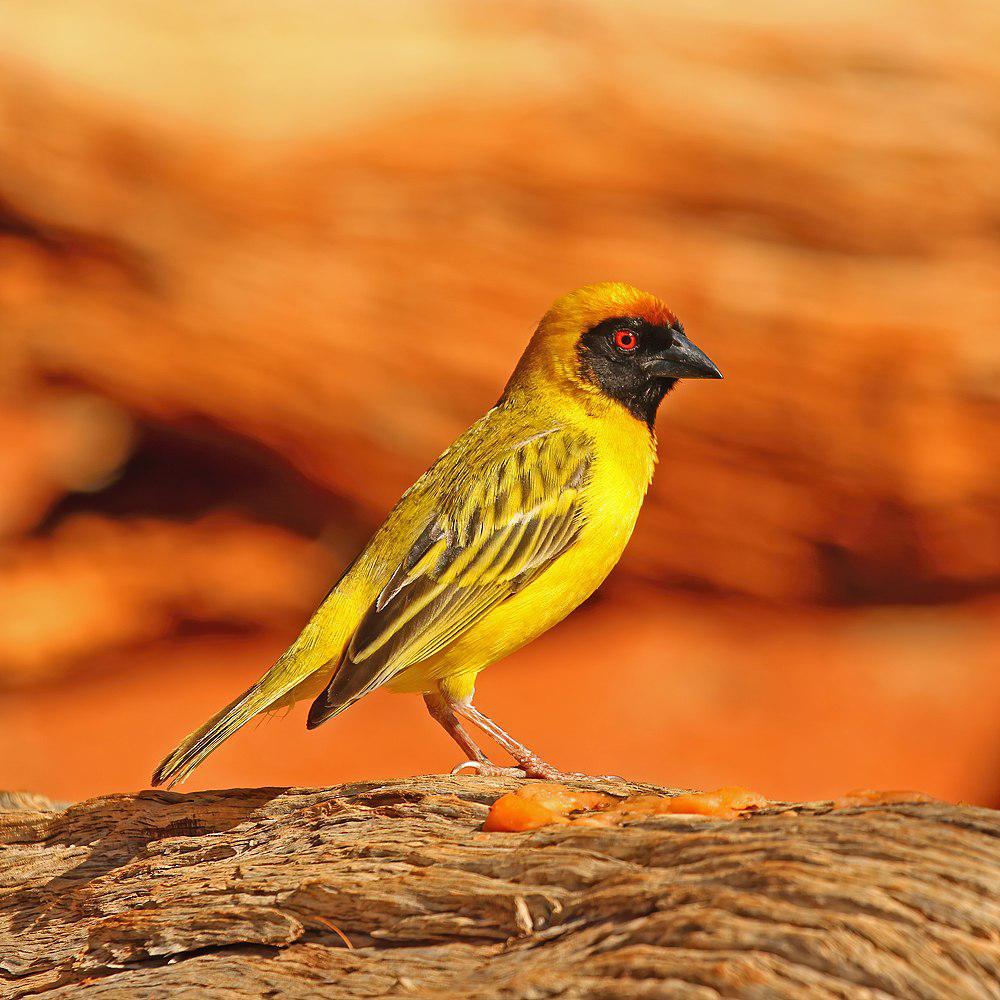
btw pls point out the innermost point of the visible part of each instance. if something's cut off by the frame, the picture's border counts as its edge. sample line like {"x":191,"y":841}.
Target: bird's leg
{"x":442,"y":712}
{"x":530,"y":764}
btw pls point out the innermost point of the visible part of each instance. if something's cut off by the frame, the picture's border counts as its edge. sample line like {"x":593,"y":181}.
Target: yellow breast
{"x":624,"y":454}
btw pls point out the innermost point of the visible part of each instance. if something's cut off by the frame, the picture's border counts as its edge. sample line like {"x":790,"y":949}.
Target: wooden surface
{"x":242,"y":893}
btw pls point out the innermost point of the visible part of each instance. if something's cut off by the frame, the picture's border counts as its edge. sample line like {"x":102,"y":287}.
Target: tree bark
{"x":257,"y":892}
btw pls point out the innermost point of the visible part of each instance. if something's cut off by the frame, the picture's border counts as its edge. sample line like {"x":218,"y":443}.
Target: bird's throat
{"x":641,"y":397}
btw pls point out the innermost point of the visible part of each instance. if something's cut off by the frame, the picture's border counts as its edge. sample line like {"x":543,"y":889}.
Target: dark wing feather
{"x":492,"y":536}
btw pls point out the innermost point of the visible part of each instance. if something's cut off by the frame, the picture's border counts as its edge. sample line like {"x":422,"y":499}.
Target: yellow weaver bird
{"x":516,"y":524}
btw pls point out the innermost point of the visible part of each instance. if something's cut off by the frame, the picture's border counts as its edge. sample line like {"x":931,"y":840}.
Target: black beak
{"x":682,"y":360}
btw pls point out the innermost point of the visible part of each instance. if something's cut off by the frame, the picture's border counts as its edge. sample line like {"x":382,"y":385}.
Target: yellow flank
{"x":621,"y":466}
{"x":515,"y":524}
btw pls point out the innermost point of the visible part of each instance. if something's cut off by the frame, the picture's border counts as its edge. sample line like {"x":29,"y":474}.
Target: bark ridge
{"x":246,"y":893}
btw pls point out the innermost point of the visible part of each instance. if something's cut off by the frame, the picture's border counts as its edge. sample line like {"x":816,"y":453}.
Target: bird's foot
{"x":530,"y":767}
{"x":488,"y":769}
{"x":535,"y":767}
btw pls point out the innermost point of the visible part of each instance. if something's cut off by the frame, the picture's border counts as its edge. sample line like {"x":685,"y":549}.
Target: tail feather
{"x":179,"y":764}
{"x":291,"y":678}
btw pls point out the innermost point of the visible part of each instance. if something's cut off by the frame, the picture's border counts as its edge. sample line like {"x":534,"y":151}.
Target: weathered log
{"x":260,"y":892}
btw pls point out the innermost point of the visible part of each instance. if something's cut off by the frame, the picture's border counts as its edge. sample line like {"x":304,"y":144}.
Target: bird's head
{"x":613,"y":341}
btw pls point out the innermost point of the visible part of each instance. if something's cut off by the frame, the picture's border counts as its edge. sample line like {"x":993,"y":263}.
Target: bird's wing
{"x":492,"y":536}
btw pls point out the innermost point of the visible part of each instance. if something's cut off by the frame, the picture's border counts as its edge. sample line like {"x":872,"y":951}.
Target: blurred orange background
{"x":260,"y":262}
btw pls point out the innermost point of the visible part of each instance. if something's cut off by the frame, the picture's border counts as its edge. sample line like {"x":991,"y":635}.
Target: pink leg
{"x":442,"y":712}
{"x":530,"y":764}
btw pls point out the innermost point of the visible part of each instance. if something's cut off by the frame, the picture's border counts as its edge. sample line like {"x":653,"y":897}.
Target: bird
{"x":516,"y":524}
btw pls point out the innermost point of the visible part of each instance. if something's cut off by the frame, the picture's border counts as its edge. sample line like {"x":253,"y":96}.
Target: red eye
{"x":626,"y":340}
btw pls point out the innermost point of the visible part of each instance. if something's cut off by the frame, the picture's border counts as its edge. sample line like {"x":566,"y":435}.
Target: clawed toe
{"x":536,"y":768}
{"x":487,"y":769}
{"x":533,"y":767}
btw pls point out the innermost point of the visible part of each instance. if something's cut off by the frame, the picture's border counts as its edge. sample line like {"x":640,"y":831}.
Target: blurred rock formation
{"x":250,"y":286}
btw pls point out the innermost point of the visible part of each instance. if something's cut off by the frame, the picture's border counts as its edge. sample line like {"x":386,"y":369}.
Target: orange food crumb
{"x":872,"y":797}
{"x":723,"y":803}
{"x":543,"y":803}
